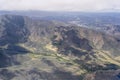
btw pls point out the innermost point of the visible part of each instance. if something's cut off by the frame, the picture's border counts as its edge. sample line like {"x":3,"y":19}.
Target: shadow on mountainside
{"x":13,"y":32}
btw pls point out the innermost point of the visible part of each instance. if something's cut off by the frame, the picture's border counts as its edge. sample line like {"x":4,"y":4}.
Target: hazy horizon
{"x":61,"y":5}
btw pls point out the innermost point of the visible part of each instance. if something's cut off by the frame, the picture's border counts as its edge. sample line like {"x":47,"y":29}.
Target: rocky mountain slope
{"x":32,"y":49}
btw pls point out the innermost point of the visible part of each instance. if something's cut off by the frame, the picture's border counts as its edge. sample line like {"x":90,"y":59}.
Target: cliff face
{"x":53,"y":51}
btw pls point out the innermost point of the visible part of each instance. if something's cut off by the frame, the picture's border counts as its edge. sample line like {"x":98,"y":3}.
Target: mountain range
{"x":77,"y":46}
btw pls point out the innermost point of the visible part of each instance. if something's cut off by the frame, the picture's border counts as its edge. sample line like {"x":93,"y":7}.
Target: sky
{"x":61,"y":5}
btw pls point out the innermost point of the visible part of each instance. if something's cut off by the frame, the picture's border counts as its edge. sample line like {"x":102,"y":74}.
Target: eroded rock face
{"x":68,"y":41}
